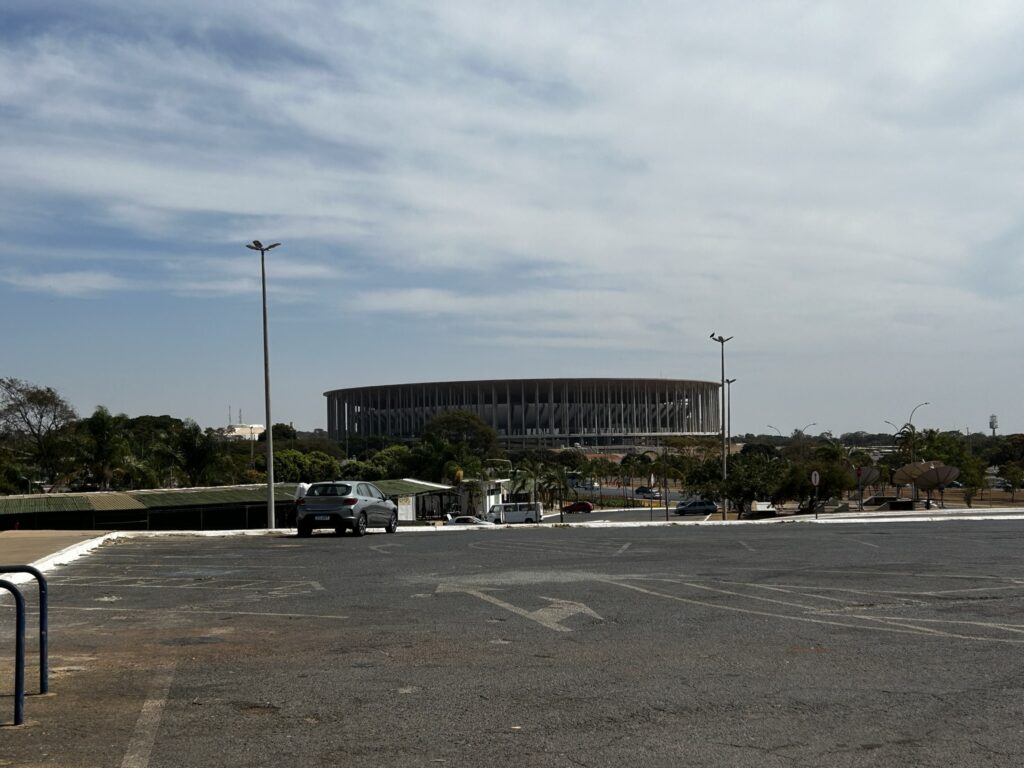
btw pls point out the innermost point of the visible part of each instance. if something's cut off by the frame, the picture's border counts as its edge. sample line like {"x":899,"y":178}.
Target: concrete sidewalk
{"x":40,"y":548}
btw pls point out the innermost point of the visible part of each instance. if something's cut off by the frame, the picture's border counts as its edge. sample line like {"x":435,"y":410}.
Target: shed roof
{"x":163,"y":498}
{"x":409,"y":487}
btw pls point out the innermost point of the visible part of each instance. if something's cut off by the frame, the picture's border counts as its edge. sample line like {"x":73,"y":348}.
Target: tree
{"x":572,"y":459}
{"x":429,"y":457}
{"x":632,"y":465}
{"x":1005,"y":449}
{"x":753,"y":475}
{"x":834,"y":478}
{"x":320,"y":466}
{"x":103,"y":448}
{"x":555,"y":484}
{"x":463,"y":427}
{"x":395,"y":461}
{"x":281,"y":433}
{"x":602,"y":469}
{"x":33,"y":420}
{"x":1013,"y":473}
{"x":289,"y":465}
{"x":527,"y":476}
{"x":463,"y":463}
{"x":199,"y":453}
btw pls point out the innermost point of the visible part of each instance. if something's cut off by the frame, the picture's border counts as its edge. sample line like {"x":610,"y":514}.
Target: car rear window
{"x":329,"y":489}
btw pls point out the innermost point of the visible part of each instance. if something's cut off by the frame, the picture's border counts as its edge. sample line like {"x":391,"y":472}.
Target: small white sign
{"x":815,"y":478}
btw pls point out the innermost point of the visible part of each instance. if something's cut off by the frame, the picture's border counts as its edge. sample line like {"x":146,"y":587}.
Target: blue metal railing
{"x":44,"y":622}
{"x":19,"y":651}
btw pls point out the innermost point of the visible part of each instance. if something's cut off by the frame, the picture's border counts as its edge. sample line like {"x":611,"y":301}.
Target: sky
{"x":475,"y":190}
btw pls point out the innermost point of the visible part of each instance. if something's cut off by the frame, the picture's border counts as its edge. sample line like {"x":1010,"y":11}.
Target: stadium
{"x":534,"y":412}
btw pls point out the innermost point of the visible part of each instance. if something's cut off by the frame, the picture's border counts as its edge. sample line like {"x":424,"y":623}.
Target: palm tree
{"x":555,"y":484}
{"x":527,"y":476}
{"x":602,"y":468}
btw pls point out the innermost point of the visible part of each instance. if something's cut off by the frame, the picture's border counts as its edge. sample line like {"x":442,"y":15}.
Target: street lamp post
{"x":779,"y":431}
{"x":728,"y":410}
{"x":910,"y":421}
{"x":913,"y":442}
{"x":808,"y":426}
{"x":256,"y":245}
{"x":725,"y":465}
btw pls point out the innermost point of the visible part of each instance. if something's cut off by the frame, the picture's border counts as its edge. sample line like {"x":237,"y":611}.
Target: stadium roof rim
{"x":563,"y":379}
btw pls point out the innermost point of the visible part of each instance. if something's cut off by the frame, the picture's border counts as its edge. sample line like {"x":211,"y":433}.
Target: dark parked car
{"x":696,"y":507}
{"x":644,"y":492}
{"x":579,"y":506}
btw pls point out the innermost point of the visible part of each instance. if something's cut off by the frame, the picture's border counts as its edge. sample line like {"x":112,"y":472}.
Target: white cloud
{"x":838,"y":176}
{"x":77,"y":284}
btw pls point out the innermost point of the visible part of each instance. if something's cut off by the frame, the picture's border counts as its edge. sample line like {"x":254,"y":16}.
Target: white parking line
{"x":866,"y":543}
{"x":878,"y":624}
{"x":91,"y":609}
{"x":550,"y":616}
{"x":141,"y":744}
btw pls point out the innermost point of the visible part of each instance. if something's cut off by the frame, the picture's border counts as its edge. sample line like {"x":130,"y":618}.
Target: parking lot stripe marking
{"x":622,"y":549}
{"x":203,"y":610}
{"x":885,"y":627}
{"x":866,"y":543}
{"x":141,"y":744}
{"x":795,"y":591}
{"x":747,"y":546}
{"x":549,"y":616}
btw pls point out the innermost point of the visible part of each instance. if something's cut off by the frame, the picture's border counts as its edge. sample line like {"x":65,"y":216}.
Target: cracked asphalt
{"x":778,"y":645}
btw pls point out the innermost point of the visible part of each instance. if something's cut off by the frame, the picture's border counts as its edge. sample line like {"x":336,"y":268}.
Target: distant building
{"x":534,"y":412}
{"x":243,"y":431}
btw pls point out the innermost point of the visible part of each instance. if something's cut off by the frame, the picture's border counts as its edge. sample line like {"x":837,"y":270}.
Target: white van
{"x":523,"y":512}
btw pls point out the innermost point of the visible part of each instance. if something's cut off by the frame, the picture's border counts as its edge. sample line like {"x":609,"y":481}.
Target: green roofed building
{"x":219,"y":508}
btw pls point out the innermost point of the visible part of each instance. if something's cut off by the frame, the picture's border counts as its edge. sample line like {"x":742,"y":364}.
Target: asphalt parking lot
{"x":793,"y":644}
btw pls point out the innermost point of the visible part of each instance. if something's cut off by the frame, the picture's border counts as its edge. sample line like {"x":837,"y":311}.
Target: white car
{"x":643,"y":492}
{"x":469,"y":520}
{"x":345,"y":504}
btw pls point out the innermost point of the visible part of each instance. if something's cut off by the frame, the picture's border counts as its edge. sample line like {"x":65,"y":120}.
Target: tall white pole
{"x":913,"y":452}
{"x":256,"y":245}
{"x":266,"y":380}
{"x":722,"y":418}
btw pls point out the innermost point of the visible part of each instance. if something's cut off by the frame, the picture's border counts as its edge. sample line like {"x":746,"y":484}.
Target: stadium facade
{"x":534,"y":412}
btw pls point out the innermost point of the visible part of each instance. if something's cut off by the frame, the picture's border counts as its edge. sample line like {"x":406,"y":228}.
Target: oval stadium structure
{"x":534,"y":412}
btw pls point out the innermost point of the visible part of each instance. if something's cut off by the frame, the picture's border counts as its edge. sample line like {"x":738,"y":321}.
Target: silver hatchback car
{"x":340,"y":504}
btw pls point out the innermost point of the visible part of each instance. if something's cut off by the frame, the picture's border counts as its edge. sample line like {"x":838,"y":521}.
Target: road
{"x":739,"y":645}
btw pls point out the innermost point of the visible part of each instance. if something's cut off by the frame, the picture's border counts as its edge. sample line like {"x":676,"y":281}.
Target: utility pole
{"x":258,"y":246}
{"x":722,"y":415}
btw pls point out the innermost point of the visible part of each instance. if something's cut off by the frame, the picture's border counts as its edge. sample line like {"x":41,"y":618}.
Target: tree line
{"x":44,"y":443}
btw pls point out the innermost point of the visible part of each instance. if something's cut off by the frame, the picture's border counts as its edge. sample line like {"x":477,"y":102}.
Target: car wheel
{"x":305,"y":530}
{"x":392,"y":525}
{"x":528,"y":520}
{"x":359,"y":529}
